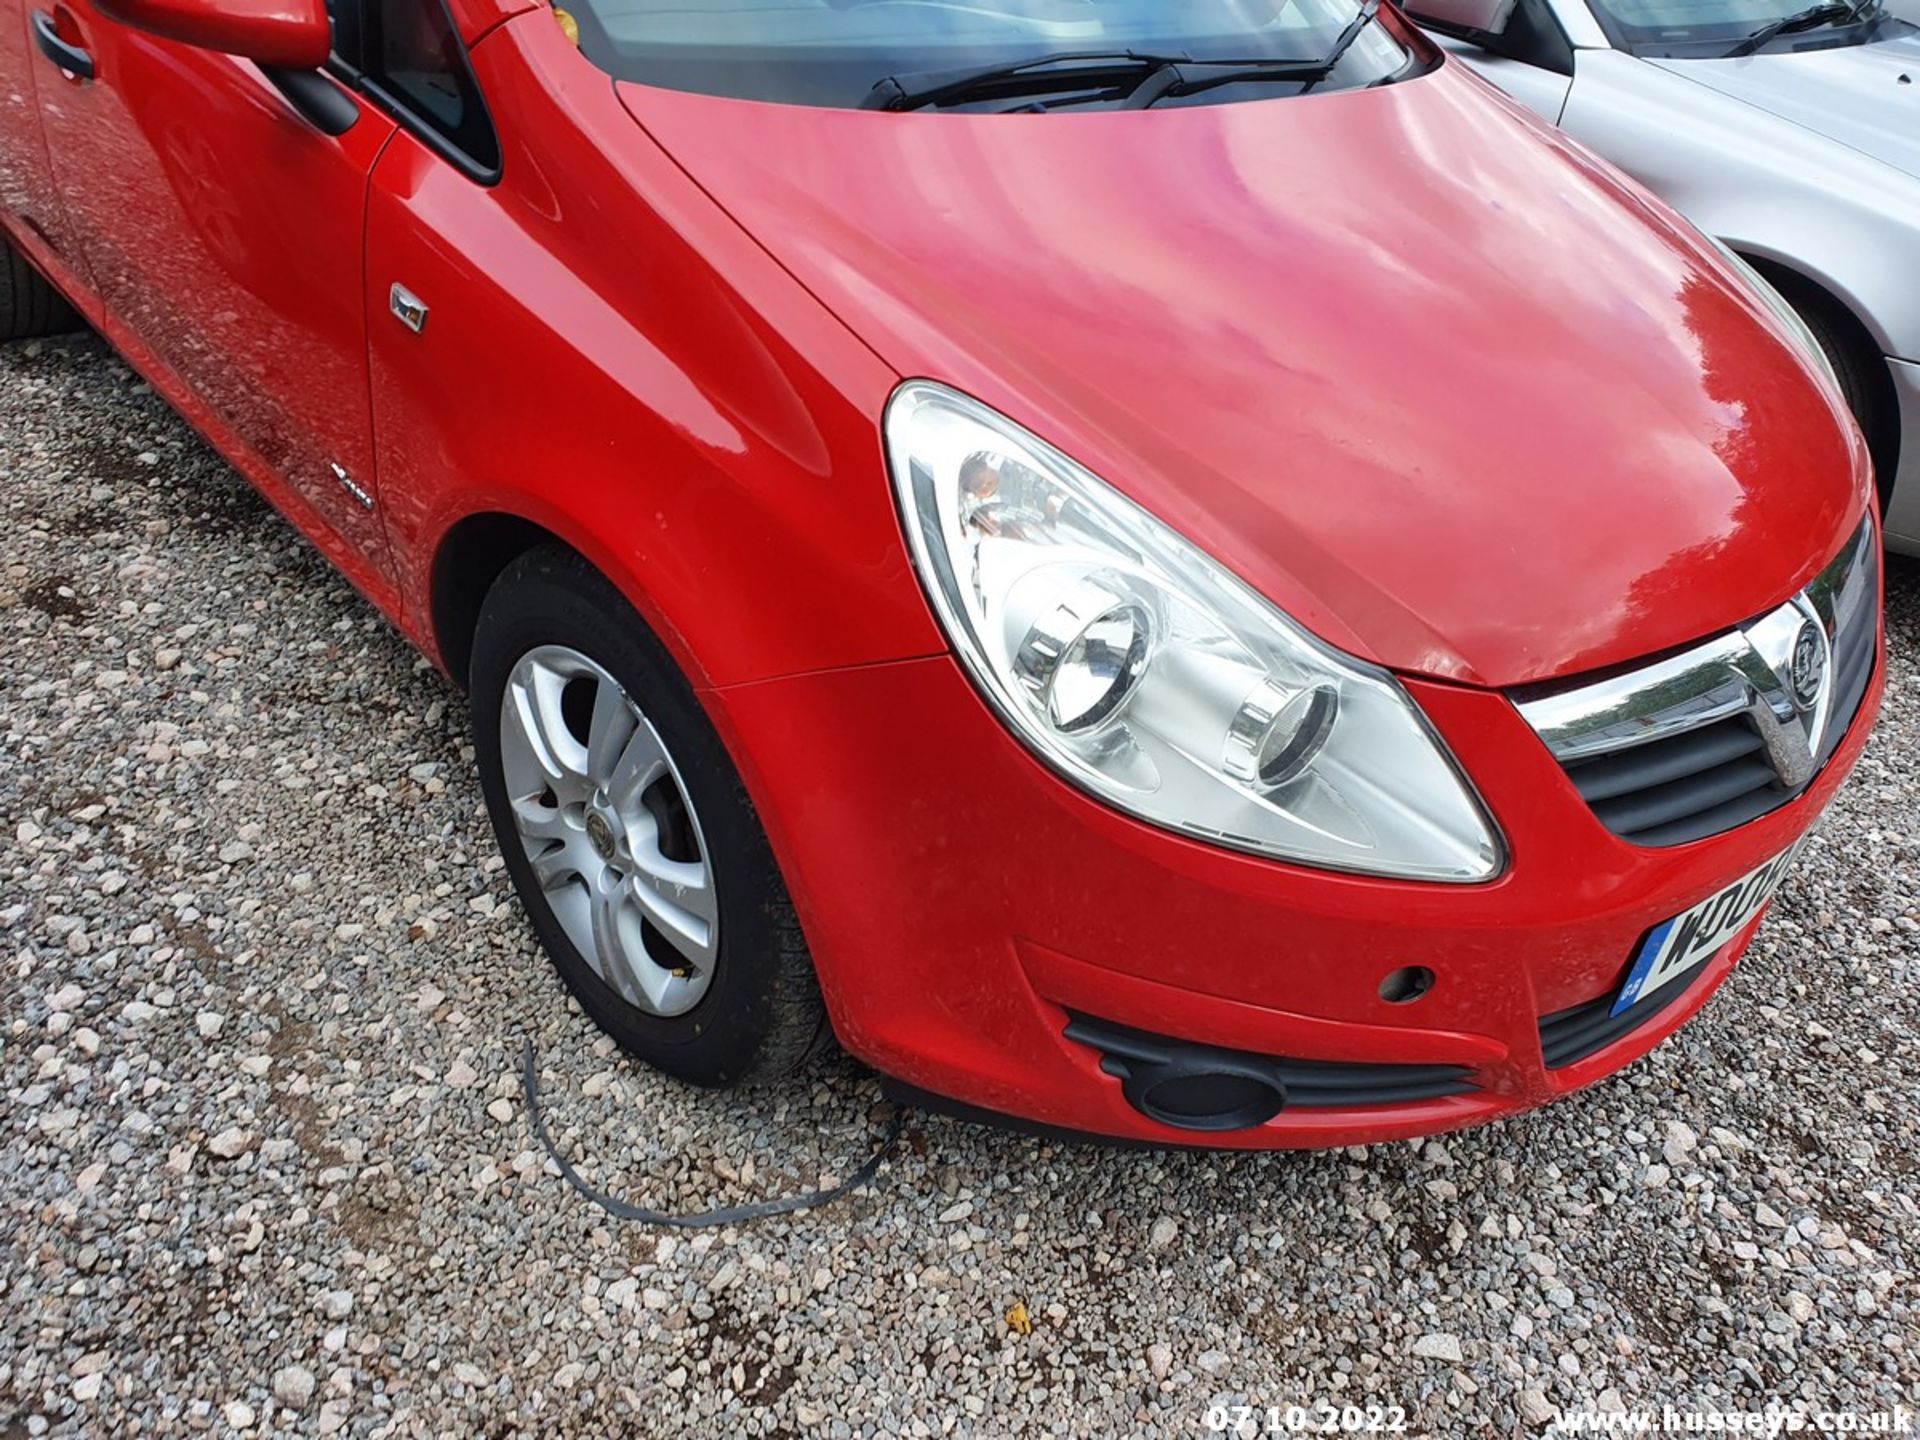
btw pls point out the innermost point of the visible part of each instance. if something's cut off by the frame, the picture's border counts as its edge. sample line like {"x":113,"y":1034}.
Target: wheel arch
{"x":472,"y":552}
{"x":467,"y":561}
{"x":1805,"y":291}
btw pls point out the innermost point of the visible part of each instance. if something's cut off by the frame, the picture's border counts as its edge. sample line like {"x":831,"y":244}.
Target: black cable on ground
{"x":705,"y":1219}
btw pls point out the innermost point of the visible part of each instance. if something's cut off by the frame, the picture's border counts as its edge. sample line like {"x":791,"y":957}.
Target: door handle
{"x":70,"y":58}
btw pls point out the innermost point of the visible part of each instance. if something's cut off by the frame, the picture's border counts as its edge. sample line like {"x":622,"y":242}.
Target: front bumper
{"x":963,"y":903}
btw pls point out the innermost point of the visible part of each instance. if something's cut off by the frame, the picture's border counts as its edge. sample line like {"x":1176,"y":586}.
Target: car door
{"x":29,"y":200}
{"x":225,"y":236}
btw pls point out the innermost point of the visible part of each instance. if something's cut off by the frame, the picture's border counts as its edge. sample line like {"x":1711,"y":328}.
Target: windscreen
{"x":1712,"y":26}
{"x":833,"y":52}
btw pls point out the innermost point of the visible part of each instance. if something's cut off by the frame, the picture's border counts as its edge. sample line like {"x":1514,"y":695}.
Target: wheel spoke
{"x":572,"y":906}
{"x":677,"y":913}
{"x":535,"y":821}
{"x":641,"y":762}
{"x":540,"y":728}
{"x":654,"y":981}
{"x":684,"y":883}
{"x":612,"y":726}
{"x":563,"y":864}
{"x":614,"y":948}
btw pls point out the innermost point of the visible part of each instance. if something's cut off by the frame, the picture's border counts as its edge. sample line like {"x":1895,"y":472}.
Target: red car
{"x":1180,"y":571}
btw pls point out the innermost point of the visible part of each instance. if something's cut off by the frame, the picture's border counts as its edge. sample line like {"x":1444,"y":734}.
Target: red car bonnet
{"x":1449,"y":391}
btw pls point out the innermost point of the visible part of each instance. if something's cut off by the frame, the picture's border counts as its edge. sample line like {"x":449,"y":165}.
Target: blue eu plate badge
{"x":1694,"y":936}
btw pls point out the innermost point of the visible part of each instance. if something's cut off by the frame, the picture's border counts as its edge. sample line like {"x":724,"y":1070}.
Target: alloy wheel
{"x":609,"y":829}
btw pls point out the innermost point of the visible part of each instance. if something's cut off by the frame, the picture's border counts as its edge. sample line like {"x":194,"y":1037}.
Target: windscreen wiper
{"x":1190,"y":77}
{"x":1043,"y":74}
{"x":1832,"y":12}
{"x":1139,"y":78}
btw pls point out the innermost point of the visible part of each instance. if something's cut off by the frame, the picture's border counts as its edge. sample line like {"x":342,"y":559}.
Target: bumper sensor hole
{"x":1406,"y":985}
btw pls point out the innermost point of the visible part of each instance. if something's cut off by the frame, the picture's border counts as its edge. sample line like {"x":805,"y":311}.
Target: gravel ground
{"x":266,"y":1167}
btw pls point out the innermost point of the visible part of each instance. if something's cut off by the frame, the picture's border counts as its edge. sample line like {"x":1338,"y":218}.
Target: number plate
{"x":1692,"y":937}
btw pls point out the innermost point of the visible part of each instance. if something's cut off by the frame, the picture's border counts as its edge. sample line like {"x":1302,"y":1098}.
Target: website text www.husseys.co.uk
{"x":1771,"y":1421}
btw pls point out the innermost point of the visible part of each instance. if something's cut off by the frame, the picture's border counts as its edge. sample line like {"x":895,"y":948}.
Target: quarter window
{"x":407,"y":55}
{"x":345,"y":15}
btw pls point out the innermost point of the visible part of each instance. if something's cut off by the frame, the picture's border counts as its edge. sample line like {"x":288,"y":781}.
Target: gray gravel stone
{"x":1438,"y":1347}
{"x":1159,"y":1360}
{"x":293,"y":1385}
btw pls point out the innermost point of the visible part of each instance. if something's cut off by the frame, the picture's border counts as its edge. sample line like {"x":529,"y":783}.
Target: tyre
{"x":628,"y":833}
{"x":29,"y":305}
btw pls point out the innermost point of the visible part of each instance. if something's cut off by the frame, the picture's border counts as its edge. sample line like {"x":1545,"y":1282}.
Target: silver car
{"x":1790,"y":131}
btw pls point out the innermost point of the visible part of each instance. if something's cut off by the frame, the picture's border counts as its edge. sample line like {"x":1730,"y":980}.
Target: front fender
{"x":609,"y":356}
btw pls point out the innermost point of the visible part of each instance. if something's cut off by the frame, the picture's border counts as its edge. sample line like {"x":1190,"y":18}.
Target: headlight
{"x":1145,"y":673}
{"x":1781,"y":307}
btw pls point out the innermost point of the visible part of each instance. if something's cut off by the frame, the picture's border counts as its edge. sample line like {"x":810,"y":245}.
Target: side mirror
{"x":289,"y":40}
{"x":1464,"y":17}
{"x":274,"y":34}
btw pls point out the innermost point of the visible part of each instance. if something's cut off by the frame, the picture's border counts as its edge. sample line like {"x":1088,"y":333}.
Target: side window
{"x":407,"y":55}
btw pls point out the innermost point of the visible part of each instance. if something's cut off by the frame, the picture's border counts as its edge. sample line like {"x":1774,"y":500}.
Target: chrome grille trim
{"x":1720,"y":733}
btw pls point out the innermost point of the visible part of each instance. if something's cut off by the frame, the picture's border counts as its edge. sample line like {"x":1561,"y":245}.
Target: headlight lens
{"x":1145,"y":673}
{"x":1780,"y":306}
